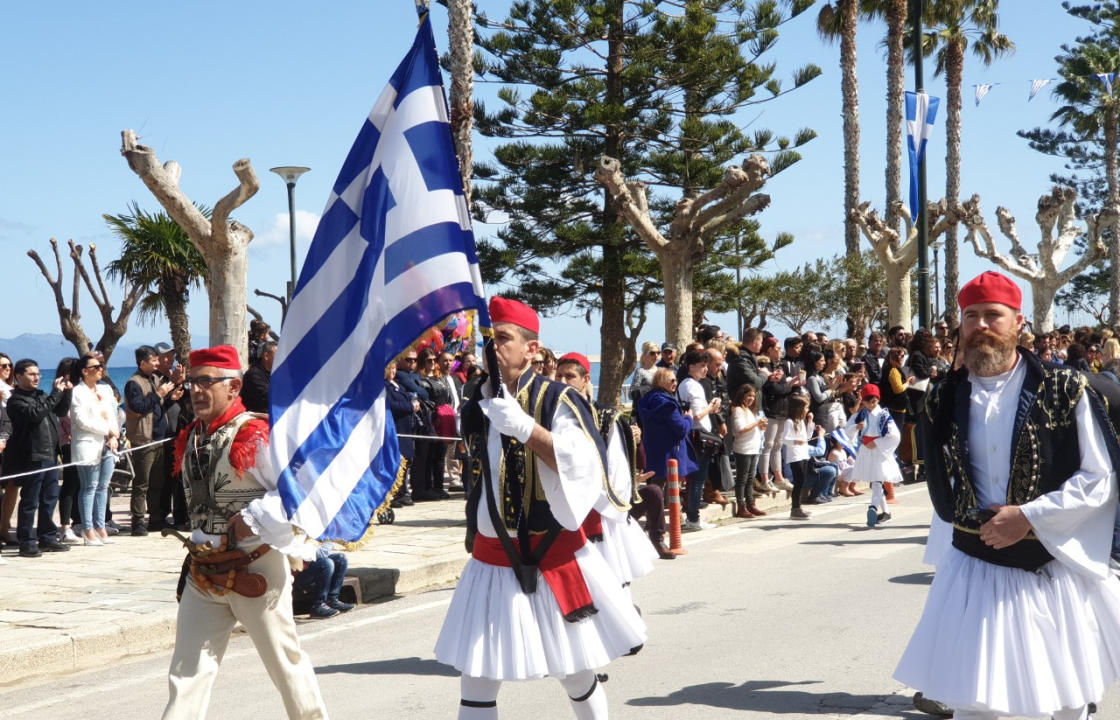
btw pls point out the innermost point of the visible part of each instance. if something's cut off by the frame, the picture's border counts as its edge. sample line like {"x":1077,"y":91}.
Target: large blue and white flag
{"x":393,"y":255}
{"x":921,"y":109}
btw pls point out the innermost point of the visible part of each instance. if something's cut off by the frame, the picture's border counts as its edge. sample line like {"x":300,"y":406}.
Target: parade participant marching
{"x":1023,"y":616}
{"x":623,"y":544}
{"x":238,"y":569}
{"x":875,"y":463}
{"x":533,"y":600}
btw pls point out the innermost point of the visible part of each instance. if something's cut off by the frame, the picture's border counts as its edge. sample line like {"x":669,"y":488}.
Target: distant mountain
{"x":49,"y":348}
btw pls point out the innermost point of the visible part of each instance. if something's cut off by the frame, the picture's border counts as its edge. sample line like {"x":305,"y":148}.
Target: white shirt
{"x":750,"y":442}
{"x":93,"y":418}
{"x":1074,"y":523}
{"x":795,"y":437}
{"x":692,"y":392}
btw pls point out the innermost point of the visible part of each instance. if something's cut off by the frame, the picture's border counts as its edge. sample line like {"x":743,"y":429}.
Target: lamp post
{"x":935,"y":246}
{"x":922,"y":222}
{"x":290,"y":174}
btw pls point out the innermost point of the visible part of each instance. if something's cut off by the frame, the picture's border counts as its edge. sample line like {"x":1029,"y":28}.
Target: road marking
{"x":121,"y":683}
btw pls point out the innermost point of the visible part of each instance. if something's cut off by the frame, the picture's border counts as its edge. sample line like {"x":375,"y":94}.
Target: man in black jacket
{"x":742,"y":364}
{"x":873,"y":359}
{"x":255,"y":384}
{"x":34,"y":446}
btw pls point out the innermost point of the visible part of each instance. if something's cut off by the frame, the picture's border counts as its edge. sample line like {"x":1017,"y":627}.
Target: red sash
{"x":559,"y":569}
{"x":593,"y":526}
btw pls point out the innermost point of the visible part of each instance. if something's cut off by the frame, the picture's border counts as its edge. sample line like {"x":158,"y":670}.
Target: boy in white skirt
{"x":875,"y":461}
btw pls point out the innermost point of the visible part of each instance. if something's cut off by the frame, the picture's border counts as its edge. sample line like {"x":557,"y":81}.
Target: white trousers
{"x":878,"y":496}
{"x":202,"y":632}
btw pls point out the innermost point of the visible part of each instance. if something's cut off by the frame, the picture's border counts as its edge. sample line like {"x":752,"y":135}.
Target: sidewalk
{"x":94,"y":605}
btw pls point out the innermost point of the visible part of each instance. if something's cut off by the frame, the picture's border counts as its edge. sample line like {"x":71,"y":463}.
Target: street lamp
{"x":290,"y":174}
{"x":936,"y":245}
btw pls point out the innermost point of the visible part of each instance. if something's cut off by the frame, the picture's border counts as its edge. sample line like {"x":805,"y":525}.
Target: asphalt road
{"x":762,"y":619}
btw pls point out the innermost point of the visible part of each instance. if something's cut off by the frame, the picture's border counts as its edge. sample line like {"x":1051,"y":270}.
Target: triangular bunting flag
{"x":1037,"y":85}
{"x":1106,"y":80}
{"x":982,"y":90}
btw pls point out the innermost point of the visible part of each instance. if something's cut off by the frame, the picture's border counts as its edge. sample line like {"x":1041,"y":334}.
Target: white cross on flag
{"x":921,"y":109}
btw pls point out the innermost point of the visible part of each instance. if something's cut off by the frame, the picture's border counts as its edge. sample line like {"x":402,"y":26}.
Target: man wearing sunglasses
{"x":145,"y":401}
{"x":239,"y":524}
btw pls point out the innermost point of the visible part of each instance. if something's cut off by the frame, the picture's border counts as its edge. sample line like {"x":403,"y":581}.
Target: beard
{"x":987,"y":353}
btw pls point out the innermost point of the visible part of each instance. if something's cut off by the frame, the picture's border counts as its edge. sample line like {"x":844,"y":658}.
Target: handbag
{"x":706,"y":443}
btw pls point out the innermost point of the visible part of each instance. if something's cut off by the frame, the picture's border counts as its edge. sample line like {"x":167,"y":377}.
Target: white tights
{"x":483,"y":691}
{"x":1081,"y":713}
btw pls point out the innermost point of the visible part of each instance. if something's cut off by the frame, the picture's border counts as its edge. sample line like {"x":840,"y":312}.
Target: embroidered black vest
{"x":524,"y":507}
{"x":1045,"y":452}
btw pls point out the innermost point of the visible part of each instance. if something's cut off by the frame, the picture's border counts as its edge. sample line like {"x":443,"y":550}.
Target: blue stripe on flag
{"x":424,"y":244}
{"x":420,"y":68}
{"x":357,"y":160}
{"x":334,"y":226}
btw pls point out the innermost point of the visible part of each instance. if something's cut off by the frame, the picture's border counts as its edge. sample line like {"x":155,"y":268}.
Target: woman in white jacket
{"x":93,"y":421}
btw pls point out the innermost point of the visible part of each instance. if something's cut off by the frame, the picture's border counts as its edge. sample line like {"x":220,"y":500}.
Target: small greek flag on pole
{"x":1037,"y":85}
{"x":982,"y":90}
{"x":1106,"y":80}
{"x":393,"y":255}
{"x":921,"y":109}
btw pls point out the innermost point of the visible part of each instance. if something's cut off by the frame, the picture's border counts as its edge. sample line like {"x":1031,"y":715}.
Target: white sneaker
{"x":70,"y":537}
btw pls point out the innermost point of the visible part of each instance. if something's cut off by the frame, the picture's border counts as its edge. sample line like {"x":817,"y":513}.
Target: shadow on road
{"x":770,"y":696}
{"x":877,"y":541}
{"x":858,"y":527}
{"x":922,"y":578}
{"x":396,"y":666}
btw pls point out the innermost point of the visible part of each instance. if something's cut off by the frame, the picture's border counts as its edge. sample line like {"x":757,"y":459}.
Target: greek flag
{"x":982,"y":91}
{"x":918,"y":105}
{"x":1106,"y":80}
{"x":1036,"y":85}
{"x":393,"y":255}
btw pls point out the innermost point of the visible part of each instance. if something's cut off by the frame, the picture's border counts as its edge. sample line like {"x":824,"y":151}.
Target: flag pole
{"x":922,"y":221}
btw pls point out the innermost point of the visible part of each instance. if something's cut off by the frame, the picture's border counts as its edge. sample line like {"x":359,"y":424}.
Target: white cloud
{"x":278,"y":232}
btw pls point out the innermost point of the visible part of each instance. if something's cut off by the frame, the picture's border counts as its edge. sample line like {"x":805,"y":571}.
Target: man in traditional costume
{"x":1023,"y":617}
{"x":533,"y":600}
{"x":617,"y":536}
{"x":238,"y":568}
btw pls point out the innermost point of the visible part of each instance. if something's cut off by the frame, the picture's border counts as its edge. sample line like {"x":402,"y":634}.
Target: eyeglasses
{"x":429,"y":360}
{"x":5,"y":365}
{"x":92,"y":367}
{"x":409,"y":360}
{"x":205,"y":383}
{"x":538,"y":362}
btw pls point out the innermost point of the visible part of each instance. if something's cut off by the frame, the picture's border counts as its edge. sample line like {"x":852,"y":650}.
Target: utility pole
{"x":916,"y":7}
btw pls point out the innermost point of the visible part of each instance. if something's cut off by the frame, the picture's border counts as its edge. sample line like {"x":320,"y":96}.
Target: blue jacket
{"x":400,"y":405}
{"x":665,"y":434}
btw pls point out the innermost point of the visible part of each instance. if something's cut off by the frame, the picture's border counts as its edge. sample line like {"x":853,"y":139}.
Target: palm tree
{"x":460,"y":35}
{"x":837,"y":20}
{"x":159,"y":254}
{"x":894,"y":13}
{"x":954,"y":26}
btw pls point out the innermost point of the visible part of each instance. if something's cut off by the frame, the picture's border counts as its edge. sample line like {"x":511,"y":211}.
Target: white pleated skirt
{"x":939,"y":541}
{"x":1014,"y":642}
{"x":627,"y":550}
{"x":493,"y":630}
{"x":875,"y":466}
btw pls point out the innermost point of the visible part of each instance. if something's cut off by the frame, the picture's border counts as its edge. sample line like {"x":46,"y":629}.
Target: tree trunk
{"x":850,"y":94}
{"x":460,"y":35}
{"x":175,"y":305}
{"x":954,"y":65}
{"x":1111,"y":171}
{"x":227,"y":288}
{"x":896,"y":81}
{"x":678,"y":274}
{"x":1042,"y":315}
{"x":612,"y":295}
{"x":899,"y":311}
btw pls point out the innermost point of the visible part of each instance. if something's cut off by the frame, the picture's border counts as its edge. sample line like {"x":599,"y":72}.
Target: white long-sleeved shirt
{"x":795,"y":436}
{"x":93,"y":418}
{"x":1074,"y":522}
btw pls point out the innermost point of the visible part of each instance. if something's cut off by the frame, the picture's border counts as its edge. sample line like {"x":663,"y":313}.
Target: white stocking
{"x":878,"y":497}
{"x":477,"y":691}
{"x":589,"y":700}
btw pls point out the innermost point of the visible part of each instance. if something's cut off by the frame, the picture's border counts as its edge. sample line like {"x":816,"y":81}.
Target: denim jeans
{"x":93,"y":491}
{"x":38,"y":497}
{"x":825,"y":482}
{"x":322,"y":579}
{"x":696,"y":489}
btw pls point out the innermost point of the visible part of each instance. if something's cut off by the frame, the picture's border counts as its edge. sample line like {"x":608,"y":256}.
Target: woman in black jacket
{"x":404,"y":408}
{"x":427,"y":470}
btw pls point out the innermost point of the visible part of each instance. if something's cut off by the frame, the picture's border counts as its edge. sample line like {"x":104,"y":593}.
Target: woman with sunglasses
{"x":643,"y":376}
{"x":95,"y":432}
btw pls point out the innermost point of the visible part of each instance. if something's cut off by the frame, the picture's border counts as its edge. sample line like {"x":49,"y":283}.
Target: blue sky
{"x":286,"y":83}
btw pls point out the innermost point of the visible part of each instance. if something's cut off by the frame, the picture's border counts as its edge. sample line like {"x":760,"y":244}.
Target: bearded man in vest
{"x":240,"y":542}
{"x":1023,"y":617}
{"x":533,"y":600}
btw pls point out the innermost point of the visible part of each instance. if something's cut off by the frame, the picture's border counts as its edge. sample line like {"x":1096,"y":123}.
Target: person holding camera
{"x":34,"y":446}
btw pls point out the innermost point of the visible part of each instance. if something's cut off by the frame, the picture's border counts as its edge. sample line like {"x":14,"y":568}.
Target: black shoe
{"x":396,"y":503}
{"x":339,"y":605}
{"x":182,"y":526}
{"x":30,"y":552}
{"x":323,"y":610}
{"x":932,"y":707}
{"x":441,"y":494}
{"x":139,"y":530}
{"x":52,"y":546}
{"x":406,"y":499}
{"x":111,"y":524}
{"x":882,"y":518}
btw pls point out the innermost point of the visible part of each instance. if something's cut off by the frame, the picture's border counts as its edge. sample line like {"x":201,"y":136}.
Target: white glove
{"x":507,"y":417}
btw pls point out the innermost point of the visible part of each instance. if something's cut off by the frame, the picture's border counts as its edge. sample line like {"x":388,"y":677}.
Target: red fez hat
{"x":991,"y":287}
{"x":219,"y":356}
{"x":511,"y":311}
{"x":575,"y":357}
{"x":870,"y":390}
